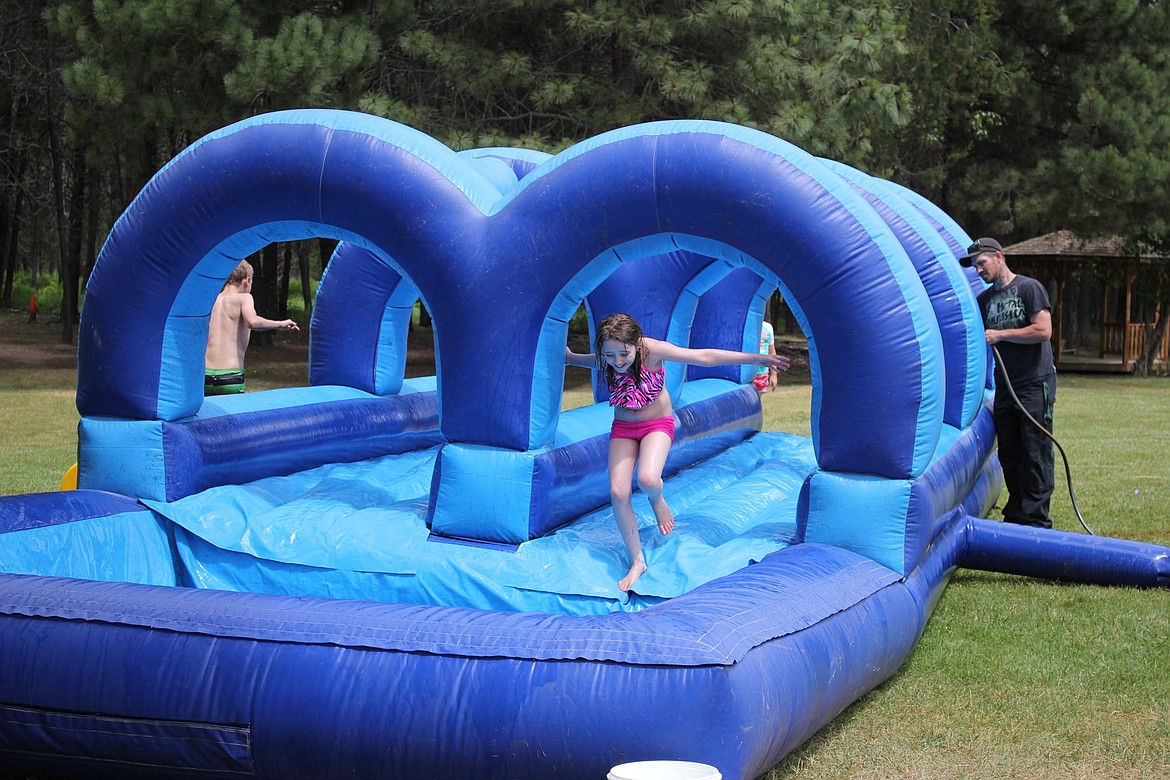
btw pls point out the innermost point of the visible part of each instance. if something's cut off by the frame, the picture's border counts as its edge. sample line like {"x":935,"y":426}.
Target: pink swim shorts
{"x":623,"y":429}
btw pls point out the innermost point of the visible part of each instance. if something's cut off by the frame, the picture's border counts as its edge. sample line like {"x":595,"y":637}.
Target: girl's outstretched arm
{"x":664,"y":350}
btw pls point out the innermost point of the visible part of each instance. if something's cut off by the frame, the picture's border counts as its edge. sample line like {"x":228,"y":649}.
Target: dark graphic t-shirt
{"x":1014,"y":307}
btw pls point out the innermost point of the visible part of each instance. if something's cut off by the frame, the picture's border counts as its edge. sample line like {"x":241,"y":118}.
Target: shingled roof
{"x":1065,"y":243}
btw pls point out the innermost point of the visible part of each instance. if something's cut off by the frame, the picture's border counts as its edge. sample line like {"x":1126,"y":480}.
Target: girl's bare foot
{"x":636,"y":570}
{"x":664,"y":516}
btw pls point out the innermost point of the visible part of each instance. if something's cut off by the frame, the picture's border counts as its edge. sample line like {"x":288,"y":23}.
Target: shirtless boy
{"x":233,"y":318}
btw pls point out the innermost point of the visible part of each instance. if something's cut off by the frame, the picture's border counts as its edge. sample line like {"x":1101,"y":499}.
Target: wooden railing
{"x":1117,"y":337}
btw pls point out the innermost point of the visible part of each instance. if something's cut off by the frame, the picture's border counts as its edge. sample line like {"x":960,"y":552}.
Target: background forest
{"x":1018,"y":117}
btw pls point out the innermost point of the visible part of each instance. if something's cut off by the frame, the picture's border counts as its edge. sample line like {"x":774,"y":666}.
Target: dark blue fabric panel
{"x":712,"y":326}
{"x":348,"y":314}
{"x":239,"y":448}
{"x":127,"y":744}
{"x":568,"y":482}
{"x":928,"y":579}
{"x":944,"y":484}
{"x":648,"y":289}
{"x":36,"y":510}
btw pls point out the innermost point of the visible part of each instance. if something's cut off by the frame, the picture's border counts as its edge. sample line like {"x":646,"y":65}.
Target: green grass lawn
{"x":1014,"y":678}
{"x":1022,"y":678}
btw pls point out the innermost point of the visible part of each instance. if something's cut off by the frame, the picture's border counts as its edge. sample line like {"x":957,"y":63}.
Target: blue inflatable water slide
{"x":375,"y":576}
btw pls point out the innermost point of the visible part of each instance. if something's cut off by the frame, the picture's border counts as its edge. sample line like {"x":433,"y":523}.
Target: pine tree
{"x":1073,"y":132}
{"x":548,"y":73}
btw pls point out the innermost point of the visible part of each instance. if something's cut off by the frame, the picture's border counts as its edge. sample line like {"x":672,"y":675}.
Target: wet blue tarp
{"x":359,"y":529}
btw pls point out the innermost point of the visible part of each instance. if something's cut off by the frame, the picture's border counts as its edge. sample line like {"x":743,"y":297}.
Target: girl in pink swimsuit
{"x":643,"y":417}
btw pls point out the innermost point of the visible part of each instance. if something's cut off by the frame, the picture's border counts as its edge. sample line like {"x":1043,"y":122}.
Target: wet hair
{"x":625,"y":329}
{"x":243,"y":271}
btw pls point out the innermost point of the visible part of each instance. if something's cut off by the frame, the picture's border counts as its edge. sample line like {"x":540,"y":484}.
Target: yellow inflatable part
{"x":69,"y":481}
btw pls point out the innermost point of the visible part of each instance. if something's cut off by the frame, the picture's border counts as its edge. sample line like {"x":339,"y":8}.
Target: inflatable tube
{"x":509,"y":690}
{"x":1065,"y":556}
{"x":964,"y":348}
{"x":361,"y":322}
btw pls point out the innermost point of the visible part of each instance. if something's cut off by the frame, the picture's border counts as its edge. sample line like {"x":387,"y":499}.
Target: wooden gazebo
{"x":1054,"y":257}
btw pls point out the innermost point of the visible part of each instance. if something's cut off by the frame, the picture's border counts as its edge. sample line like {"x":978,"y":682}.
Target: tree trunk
{"x":326,"y":247}
{"x":64,"y":231}
{"x":1152,"y":338}
{"x":7,"y":259}
{"x":92,"y":216}
{"x":306,"y":279}
{"x":71,"y":259}
{"x":264,"y":289}
{"x":285,"y":272}
{"x":1087,"y":313}
{"x":11,"y":233}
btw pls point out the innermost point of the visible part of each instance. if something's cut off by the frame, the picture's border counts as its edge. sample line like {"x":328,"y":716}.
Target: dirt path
{"x":25,"y":344}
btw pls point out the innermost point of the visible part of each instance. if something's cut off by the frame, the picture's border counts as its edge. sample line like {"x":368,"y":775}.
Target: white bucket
{"x":664,"y":770}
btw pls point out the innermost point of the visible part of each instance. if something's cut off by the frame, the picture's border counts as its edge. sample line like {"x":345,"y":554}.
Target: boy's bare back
{"x":233,"y":318}
{"x":228,"y":332}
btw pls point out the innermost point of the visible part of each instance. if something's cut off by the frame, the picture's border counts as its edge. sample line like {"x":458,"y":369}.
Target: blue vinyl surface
{"x":364,"y":523}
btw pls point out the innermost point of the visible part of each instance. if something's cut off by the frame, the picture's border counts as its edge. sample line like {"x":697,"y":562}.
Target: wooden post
{"x":1060,"y":276}
{"x":1104,"y":338}
{"x":1128,"y":347}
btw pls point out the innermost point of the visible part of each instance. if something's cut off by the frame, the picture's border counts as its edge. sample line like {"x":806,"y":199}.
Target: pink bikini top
{"x":628,"y":395}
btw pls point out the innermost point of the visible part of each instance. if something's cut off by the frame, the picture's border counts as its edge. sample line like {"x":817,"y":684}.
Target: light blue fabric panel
{"x":521,"y":161}
{"x":279,"y":398}
{"x":496,"y":171}
{"x":864,"y":514}
{"x":121,"y":456}
{"x":322,"y":517}
{"x":483,"y":493}
{"x":180,"y":386}
{"x":125,"y":547}
{"x":419,"y":384}
{"x":581,"y":423}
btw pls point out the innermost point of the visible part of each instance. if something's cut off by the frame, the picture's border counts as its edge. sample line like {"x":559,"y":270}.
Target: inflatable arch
{"x":440,"y":621}
{"x":511,"y":268}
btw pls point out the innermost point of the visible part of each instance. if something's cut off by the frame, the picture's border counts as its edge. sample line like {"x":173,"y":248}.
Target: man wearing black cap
{"x":1018,"y":320}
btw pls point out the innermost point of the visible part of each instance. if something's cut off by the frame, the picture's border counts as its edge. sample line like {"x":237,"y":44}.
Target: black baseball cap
{"x":980,"y":245}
